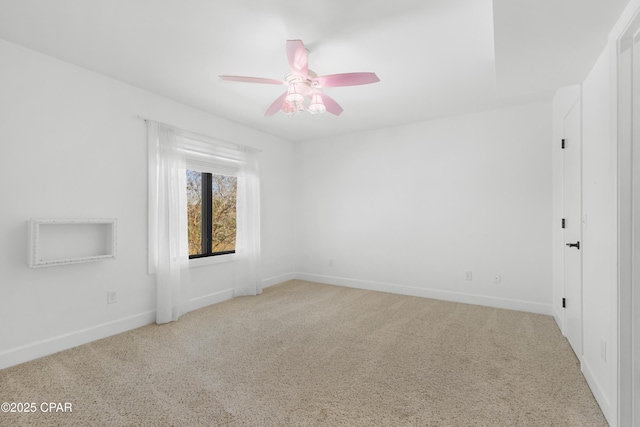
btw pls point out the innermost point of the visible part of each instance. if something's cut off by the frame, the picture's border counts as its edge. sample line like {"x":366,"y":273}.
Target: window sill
{"x":211,"y":260}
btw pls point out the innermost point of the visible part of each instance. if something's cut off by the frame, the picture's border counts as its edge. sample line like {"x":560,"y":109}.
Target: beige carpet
{"x":304,"y":354}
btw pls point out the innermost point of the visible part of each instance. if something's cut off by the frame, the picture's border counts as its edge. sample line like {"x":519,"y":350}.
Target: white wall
{"x":599,"y":219}
{"x":410,"y":209}
{"x":73,"y":147}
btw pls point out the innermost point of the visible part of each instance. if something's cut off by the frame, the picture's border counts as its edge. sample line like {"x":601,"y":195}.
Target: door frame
{"x":627,"y":308}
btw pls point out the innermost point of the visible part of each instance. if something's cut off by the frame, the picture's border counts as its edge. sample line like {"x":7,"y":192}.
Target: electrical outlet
{"x":112,"y":297}
{"x":497,"y":278}
{"x":468,"y":276}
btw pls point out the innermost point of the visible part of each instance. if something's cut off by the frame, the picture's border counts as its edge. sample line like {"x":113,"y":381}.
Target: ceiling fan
{"x":303,"y":82}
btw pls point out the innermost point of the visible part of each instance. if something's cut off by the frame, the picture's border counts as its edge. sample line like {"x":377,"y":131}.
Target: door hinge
{"x":564,"y":303}
{"x":564,"y":223}
{"x":563,"y":144}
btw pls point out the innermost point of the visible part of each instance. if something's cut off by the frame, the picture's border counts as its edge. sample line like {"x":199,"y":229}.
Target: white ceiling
{"x":434,"y":58}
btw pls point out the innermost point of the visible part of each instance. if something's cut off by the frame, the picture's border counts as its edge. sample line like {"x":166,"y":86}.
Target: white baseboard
{"x":596,"y":389}
{"x":227,"y":294}
{"x":510,"y":304}
{"x":558,"y":318}
{"x":276,"y":280}
{"x":209,"y":299}
{"x":52,"y":345}
{"x":69,"y":340}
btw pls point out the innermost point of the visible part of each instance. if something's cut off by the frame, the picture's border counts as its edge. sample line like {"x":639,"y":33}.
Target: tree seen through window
{"x":211,"y":213}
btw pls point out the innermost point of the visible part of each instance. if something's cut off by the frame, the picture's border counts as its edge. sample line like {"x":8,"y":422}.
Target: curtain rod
{"x":196,"y":135}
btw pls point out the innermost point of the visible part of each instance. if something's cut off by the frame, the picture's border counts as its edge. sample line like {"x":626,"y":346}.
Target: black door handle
{"x":574,"y":245}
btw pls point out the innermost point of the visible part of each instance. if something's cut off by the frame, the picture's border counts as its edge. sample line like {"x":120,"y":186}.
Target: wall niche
{"x":71,"y":241}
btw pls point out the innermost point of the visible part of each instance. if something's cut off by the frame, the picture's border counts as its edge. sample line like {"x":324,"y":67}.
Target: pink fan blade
{"x":331,"y":105}
{"x":298,"y":60}
{"x":347,"y":79}
{"x":252,"y":80}
{"x":276,"y":106}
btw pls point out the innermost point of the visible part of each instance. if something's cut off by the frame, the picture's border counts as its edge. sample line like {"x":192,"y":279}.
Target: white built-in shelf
{"x":71,"y":241}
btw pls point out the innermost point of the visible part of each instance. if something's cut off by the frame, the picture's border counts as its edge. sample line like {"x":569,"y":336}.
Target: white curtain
{"x":168,"y":244}
{"x":247,"y":278}
{"x":170,"y":151}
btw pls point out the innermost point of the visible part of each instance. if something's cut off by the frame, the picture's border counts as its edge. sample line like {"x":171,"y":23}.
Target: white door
{"x":573,"y":230}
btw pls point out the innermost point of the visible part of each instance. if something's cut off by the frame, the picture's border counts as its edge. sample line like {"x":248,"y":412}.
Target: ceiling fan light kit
{"x":304,"y":83}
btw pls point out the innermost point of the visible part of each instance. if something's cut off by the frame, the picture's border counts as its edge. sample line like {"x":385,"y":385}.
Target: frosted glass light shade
{"x":317,"y":106}
{"x":293,"y":94}
{"x":289,"y":108}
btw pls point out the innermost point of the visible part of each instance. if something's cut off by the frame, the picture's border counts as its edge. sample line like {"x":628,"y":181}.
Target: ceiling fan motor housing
{"x":304,"y":85}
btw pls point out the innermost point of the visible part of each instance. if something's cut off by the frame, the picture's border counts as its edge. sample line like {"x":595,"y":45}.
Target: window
{"x":211,"y":213}
{"x":225,"y":169}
